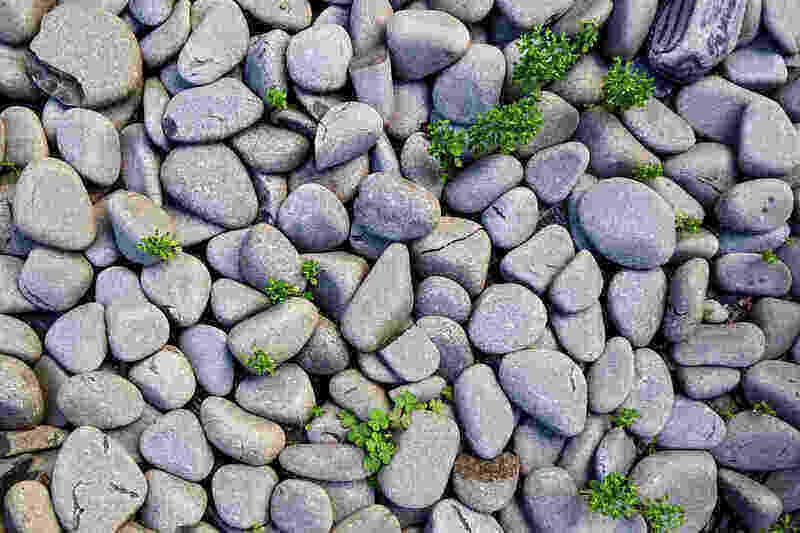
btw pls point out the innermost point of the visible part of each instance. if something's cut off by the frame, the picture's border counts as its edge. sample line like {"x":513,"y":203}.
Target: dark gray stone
{"x":685,"y":304}
{"x":299,"y":505}
{"x":535,"y":445}
{"x":175,"y":442}
{"x":324,"y":462}
{"x":506,"y":317}
{"x":422,"y":42}
{"x":628,"y":223}
{"x":68,"y":36}
{"x":749,"y":275}
{"x":150,"y":12}
{"x":526,"y":16}
{"x":651,"y":395}
{"x":483,"y":410}
{"x":314,"y":218}
{"x":780,"y":322}
{"x":549,"y":386}
{"x":293,"y":15}
{"x":265,"y":62}
{"x":348,"y":497}
{"x":241,"y":494}
{"x":172,"y":502}
{"x":481,"y":183}
{"x":140,"y":163}
{"x":576,"y":457}
{"x":419,"y":471}
{"x":317,"y":58}
{"x":133,"y":217}
{"x":730,"y":242}
{"x":22,"y":402}
{"x":552,"y":172}
{"x":241,"y":435}
{"x":785,"y":484}
{"x":780,"y":19}
{"x":375,"y":315}
{"x":342,"y":180}
{"x":615,"y":453}
{"x":340,"y":275}
{"x":550,"y":499}
{"x":180,"y":286}
{"x":58,"y":214}
{"x":15,"y":84}
{"x":95,"y":482}
{"x":690,"y":37}
{"x":18,"y":339}
{"x":635,"y":303}
{"x":692,"y":425}
{"x":285,"y":397}
{"x":51,"y":377}
{"x":713,"y":105}
{"x":326,"y":352}
{"x":755,"y":504}
{"x":759,"y":443}
{"x":610,"y":379}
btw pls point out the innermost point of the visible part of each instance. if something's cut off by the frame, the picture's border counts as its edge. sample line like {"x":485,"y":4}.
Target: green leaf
{"x":625,"y":86}
{"x":625,"y":417}
{"x":348,"y":418}
{"x":662,"y":516}
{"x":378,"y":419}
{"x":505,"y":127}
{"x":615,"y":496}
{"x":161,"y":245}
{"x":372,"y":463}
{"x":447,"y":146}
{"x":276,"y":97}
{"x":769,"y":257}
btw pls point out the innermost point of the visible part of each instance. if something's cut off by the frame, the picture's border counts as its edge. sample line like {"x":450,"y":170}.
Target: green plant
{"x":405,"y":403}
{"x":648,"y":171}
{"x":783,"y":525}
{"x":276,"y":97}
{"x":13,"y":167}
{"x":662,"y":516}
{"x":624,"y":417}
{"x":615,"y":496}
{"x":763,"y":408}
{"x":545,"y":56}
{"x":686,"y":223}
{"x":278,"y":290}
{"x":373,"y":436}
{"x":260,"y":362}
{"x":447,"y":146}
{"x":160,"y":245}
{"x":310,"y":270}
{"x":257,"y":529}
{"x":436,"y":406}
{"x":447,"y":393}
{"x":587,"y":37}
{"x":788,"y":241}
{"x":505,"y":127}
{"x":316,"y":412}
{"x":727,"y":412}
{"x":651,"y":446}
{"x":624,"y":86}
{"x":769,"y":257}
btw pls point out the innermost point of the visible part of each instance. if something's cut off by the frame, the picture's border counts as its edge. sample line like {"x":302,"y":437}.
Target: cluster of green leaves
{"x":788,"y":241}
{"x":763,"y":408}
{"x":447,"y":146}
{"x":161,"y":245}
{"x":727,"y":413}
{"x":13,"y":167}
{"x":625,"y":86}
{"x":505,"y":127}
{"x":373,"y":436}
{"x":276,"y":97}
{"x":546,"y":55}
{"x":783,"y":525}
{"x":310,"y":270}
{"x":260,"y":362}
{"x":625,"y":417}
{"x":685,"y":223}
{"x":769,"y":256}
{"x":618,"y":497}
{"x":447,"y":393}
{"x":648,"y":171}
{"x":278,"y":290}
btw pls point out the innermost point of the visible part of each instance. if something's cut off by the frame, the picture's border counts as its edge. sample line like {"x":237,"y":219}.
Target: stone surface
{"x":506,"y":317}
{"x":100,"y":399}
{"x":175,"y":442}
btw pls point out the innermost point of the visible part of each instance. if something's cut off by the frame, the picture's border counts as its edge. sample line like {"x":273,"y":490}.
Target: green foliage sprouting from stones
{"x":447,"y":146}
{"x":161,"y":245}
{"x":310,"y":271}
{"x":618,"y":497}
{"x":316,"y":412}
{"x":447,"y":393}
{"x":685,"y":223}
{"x":276,"y":97}
{"x":783,"y":525}
{"x":769,"y":256}
{"x":624,"y":86}
{"x":625,"y":417}
{"x":505,"y":127}
{"x":648,"y":171}
{"x":375,"y":435}
{"x":546,"y":55}
{"x":260,"y":362}
{"x":279,"y":290}
{"x":763,"y":408}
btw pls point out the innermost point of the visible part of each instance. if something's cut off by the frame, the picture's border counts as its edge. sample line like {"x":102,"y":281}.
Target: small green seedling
{"x":436,"y":406}
{"x":788,"y":241}
{"x":662,"y":516}
{"x":687,"y":224}
{"x":316,"y":412}
{"x":161,"y":245}
{"x":783,"y":525}
{"x":545,"y":56}
{"x":769,"y":257}
{"x":260,"y":362}
{"x":625,"y":417}
{"x":727,"y":413}
{"x":625,"y":87}
{"x":763,"y":408}
{"x":586,"y":38}
{"x":276,"y":97}
{"x":278,"y":291}
{"x":310,"y":270}
{"x":447,"y":393}
{"x":615,"y":496}
{"x":373,"y":436}
{"x":505,"y":127}
{"x":447,"y":146}
{"x":257,"y":529}
{"x":648,"y":171}
{"x":405,"y":403}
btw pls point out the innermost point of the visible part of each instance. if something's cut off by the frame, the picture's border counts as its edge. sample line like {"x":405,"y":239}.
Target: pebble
{"x":780,"y":322}
{"x":576,"y":457}
{"x":371,"y":75}
{"x":535,"y":445}
{"x":442,"y":297}
{"x":774,"y":382}
{"x":128,"y":436}
{"x":756,"y":504}
{"x":212,"y":363}
{"x":54,"y":280}
{"x":582,"y":334}
{"x":451,"y":516}
{"x":133,"y":217}
{"x":342,"y":180}
{"x":554,"y":171}
{"x":11,"y":298}
{"x":28,"y":508}
{"x":687,"y":478}
{"x":615,"y":453}
{"x":345,"y":132}
{"x":748,"y":274}
{"x":578,"y":285}
{"x":610,"y":378}
{"x":51,"y":377}
{"x":757,"y":66}
{"x":537,"y":261}
{"x":730,"y":242}
{"x":411,"y":356}
{"x":240,"y":435}
{"x":241,"y":494}
{"x":707,"y":382}
{"x":21,"y":20}
{"x":348,"y":497}
{"x":547,"y":385}
{"x":487,"y":428}
{"x":443,"y":38}
{"x":692,"y":425}
{"x":100,"y":399}
{"x":412,"y":106}
{"x":265,"y":62}
{"x":167,"y":40}
{"x":299,"y":505}
{"x":15,"y":82}
{"x":270,"y":149}
{"x":141,"y":163}
{"x":95,"y":482}
{"x":474,"y":188}
{"x":706,"y":171}
{"x":18,"y":339}
{"x":22,"y":402}
{"x":659,"y":128}
{"x":511,"y":219}
{"x":314,"y":218}
{"x":685,"y":304}
{"x":317,"y":58}
{"x":165,"y":378}
{"x":89,"y":142}
{"x":549,"y":499}
{"x":324,"y":462}
{"x":172,"y":502}
{"x":635,"y":303}
{"x":67,"y":37}
{"x":175,"y":442}
{"x":758,"y":443}
{"x":420,"y":468}
{"x":651,"y":395}
{"x":135,"y":329}
{"x":506,"y":317}
{"x":784,"y":484}
{"x":180,"y":286}
{"x":78,"y":340}
{"x":455,"y":352}
{"x":371,"y":519}
{"x":755,"y":206}
{"x":285,"y":397}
